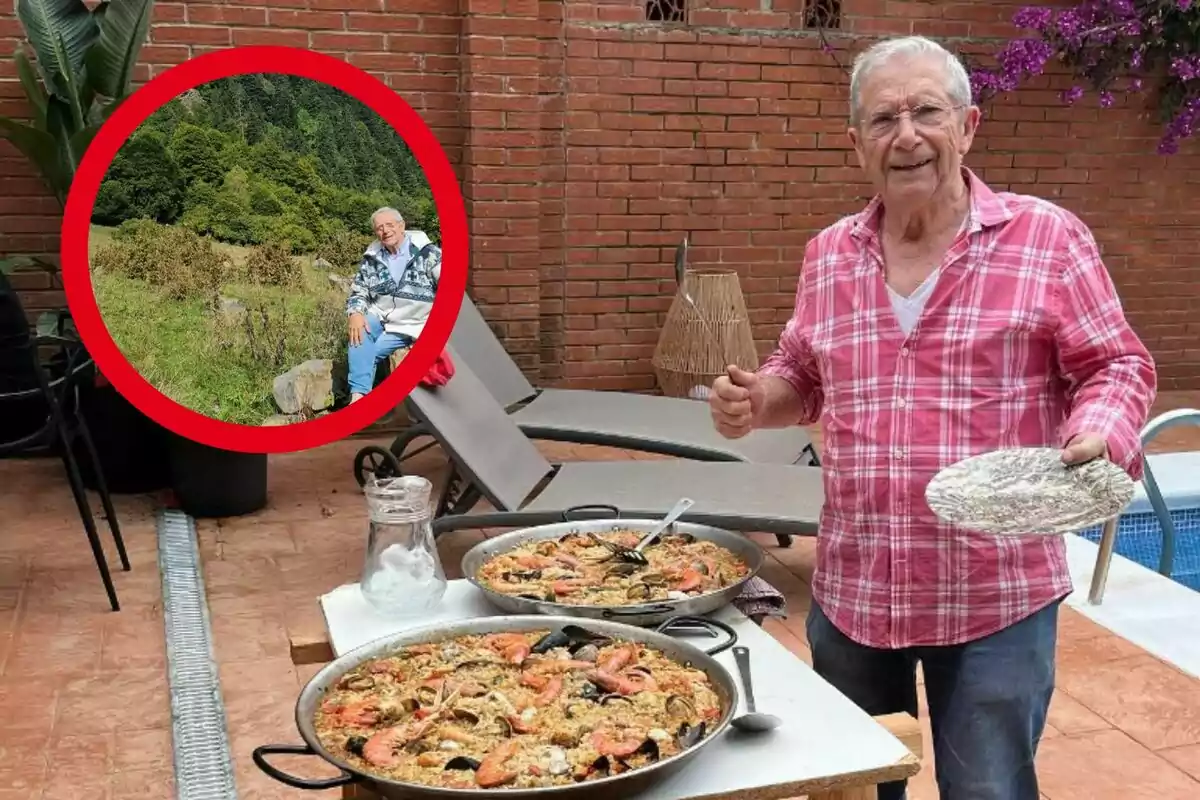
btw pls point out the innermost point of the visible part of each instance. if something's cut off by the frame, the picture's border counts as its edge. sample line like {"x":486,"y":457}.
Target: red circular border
{"x":77,"y":224}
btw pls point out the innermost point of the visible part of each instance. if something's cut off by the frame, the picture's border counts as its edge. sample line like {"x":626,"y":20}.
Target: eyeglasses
{"x":926,"y":116}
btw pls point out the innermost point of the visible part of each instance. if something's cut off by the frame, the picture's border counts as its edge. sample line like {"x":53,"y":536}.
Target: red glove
{"x":440,"y":373}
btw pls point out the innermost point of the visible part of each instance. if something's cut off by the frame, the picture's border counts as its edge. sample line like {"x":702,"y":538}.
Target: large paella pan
{"x":574,"y":569}
{"x":514,"y":707}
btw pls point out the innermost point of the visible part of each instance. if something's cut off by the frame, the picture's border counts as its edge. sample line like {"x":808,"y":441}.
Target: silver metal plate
{"x":1028,"y":491}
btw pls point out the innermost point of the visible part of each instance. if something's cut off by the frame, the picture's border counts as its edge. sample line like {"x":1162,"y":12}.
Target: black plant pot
{"x":131,"y":447}
{"x":210,"y":482}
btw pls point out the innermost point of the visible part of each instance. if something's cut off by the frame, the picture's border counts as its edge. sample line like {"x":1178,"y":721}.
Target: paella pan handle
{"x":259,"y":756}
{"x":711,"y":625}
{"x":616,"y":613}
{"x":610,"y":511}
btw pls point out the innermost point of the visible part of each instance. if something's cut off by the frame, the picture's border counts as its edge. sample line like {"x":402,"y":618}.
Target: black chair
{"x":27,"y":378}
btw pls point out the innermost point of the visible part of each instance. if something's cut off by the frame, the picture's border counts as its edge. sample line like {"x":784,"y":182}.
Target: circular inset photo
{"x":274,"y":257}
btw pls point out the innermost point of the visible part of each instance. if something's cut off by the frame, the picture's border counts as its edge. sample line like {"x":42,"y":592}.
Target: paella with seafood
{"x":516,"y":710}
{"x":589,"y":569}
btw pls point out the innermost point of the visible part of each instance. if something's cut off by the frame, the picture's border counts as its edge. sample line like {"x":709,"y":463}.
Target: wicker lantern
{"x":699,"y":341}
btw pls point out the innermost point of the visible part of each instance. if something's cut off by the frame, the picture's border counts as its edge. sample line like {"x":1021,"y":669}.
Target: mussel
{"x":462,"y":762}
{"x":548,"y":597}
{"x":355,"y":744}
{"x":688,"y":735}
{"x":520,"y":576}
{"x":506,"y":729}
{"x":677,"y":538}
{"x":613,"y":698}
{"x":410,"y":704}
{"x":571,"y":637}
{"x":600,"y":766}
{"x":622,"y":570}
{"x":591,"y":691}
{"x":649,"y":749}
{"x":574,"y":537}
{"x":679,"y":706}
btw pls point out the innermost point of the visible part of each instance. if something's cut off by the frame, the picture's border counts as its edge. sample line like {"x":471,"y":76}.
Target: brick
{"x":270,"y":36}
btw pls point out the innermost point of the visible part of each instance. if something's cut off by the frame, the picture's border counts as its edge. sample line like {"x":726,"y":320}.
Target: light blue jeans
{"x":988,"y":700}
{"x":366,"y":355}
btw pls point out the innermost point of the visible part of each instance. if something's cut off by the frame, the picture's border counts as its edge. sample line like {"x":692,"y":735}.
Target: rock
{"x":282,"y":419}
{"x":305,"y":386}
{"x":340,"y":282}
{"x":231,"y":307}
{"x":320,"y":263}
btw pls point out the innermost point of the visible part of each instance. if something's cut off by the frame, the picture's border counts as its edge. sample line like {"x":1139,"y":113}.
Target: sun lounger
{"x":648,"y":423}
{"x":499,"y":463}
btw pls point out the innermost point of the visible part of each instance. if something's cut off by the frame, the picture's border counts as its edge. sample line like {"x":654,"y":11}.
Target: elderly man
{"x":942,"y":321}
{"x":391,"y":296}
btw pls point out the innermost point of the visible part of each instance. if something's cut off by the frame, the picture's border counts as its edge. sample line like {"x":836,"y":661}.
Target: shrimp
{"x":513,"y":646}
{"x":552,"y":689}
{"x":492,"y":770}
{"x":567,"y":586}
{"x":689,"y":580}
{"x":617,"y":659}
{"x":607,"y":745}
{"x":361,"y":714}
{"x":381,"y":748}
{"x":631,"y":682}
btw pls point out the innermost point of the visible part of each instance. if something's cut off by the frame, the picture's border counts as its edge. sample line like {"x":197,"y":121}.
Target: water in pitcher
{"x":403,"y":574}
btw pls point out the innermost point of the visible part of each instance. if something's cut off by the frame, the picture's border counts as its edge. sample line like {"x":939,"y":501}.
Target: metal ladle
{"x":752,"y":721}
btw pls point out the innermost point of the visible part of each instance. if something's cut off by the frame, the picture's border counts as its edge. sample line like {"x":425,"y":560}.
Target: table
{"x":827,"y":748}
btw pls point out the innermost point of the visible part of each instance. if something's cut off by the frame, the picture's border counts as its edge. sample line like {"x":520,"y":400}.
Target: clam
{"x":410,"y":704}
{"x":677,"y":538}
{"x":462,"y":762}
{"x":466,"y":715}
{"x":613,"y":698}
{"x":429,"y":695}
{"x":521,"y":576}
{"x":360,"y":684}
{"x":589,"y":652}
{"x":574,"y":537}
{"x":505,"y":727}
{"x":654,"y":579}
{"x":639,"y":591}
{"x":679,"y":706}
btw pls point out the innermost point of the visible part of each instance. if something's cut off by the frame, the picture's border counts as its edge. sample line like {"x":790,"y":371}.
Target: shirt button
{"x":904,"y":351}
{"x":901,"y":402}
{"x":898,"y":453}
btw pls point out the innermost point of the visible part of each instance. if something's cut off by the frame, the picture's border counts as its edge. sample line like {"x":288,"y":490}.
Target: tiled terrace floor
{"x":83,"y":691}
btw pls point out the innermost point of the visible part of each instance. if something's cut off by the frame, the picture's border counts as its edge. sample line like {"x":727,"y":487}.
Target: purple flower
{"x":1184,"y":5}
{"x":1106,"y":99}
{"x":1135,"y":85}
{"x":1071,"y":96}
{"x":1033,"y":18}
{"x":1186,"y":68}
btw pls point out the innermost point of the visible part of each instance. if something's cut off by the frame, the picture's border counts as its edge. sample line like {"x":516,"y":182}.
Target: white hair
{"x":958,"y":83}
{"x":387,"y":210}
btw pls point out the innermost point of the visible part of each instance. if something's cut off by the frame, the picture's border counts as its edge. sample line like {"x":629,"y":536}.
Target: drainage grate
{"x":203,"y":762}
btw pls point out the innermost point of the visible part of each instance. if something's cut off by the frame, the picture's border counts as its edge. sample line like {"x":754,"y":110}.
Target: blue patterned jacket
{"x":401,"y":305}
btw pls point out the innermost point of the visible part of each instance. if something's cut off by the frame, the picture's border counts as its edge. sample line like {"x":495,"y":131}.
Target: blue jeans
{"x":366,"y":355}
{"x":987,"y":700}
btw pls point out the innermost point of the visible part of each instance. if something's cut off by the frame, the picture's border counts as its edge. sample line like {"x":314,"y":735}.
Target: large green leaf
{"x":123,"y":28}
{"x":61,"y":32}
{"x":34,"y":91}
{"x":39,"y":146}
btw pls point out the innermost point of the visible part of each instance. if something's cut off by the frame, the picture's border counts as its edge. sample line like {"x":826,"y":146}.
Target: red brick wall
{"x":588,"y":140}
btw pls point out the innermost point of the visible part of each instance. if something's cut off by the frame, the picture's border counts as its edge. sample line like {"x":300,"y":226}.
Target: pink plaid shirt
{"x":1022,"y":343}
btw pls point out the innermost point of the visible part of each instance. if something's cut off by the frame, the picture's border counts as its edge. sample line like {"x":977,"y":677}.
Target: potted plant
{"x":85,"y":61}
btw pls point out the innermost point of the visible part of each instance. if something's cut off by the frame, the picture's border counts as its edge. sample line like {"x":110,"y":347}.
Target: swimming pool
{"x":1139,"y":533}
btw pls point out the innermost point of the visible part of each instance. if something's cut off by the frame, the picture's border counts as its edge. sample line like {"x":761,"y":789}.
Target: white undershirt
{"x":908,"y":309}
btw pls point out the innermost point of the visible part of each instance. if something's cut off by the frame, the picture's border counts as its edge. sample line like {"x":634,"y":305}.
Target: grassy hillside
{"x":206,"y":324}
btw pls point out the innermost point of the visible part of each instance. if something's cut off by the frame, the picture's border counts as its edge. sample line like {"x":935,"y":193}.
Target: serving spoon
{"x":634,"y":555}
{"x":752,"y":721}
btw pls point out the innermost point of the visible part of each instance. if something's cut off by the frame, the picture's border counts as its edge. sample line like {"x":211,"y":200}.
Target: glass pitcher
{"x":403,"y":574}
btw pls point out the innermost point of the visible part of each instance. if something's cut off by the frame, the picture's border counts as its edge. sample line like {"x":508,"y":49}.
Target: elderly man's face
{"x":389,"y":230}
{"x":911,"y":136}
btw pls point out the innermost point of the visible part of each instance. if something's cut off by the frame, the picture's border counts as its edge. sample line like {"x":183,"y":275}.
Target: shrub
{"x":271,"y":264}
{"x":177,"y":260}
{"x":277,"y":333}
{"x":343,"y":250}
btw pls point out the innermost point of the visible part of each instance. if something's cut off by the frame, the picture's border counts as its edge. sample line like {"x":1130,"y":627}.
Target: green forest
{"x":226,"y":233}
{"x":262,"y":158}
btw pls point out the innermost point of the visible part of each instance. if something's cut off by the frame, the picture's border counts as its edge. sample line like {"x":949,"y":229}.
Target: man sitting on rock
{"x":391,"y":296}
